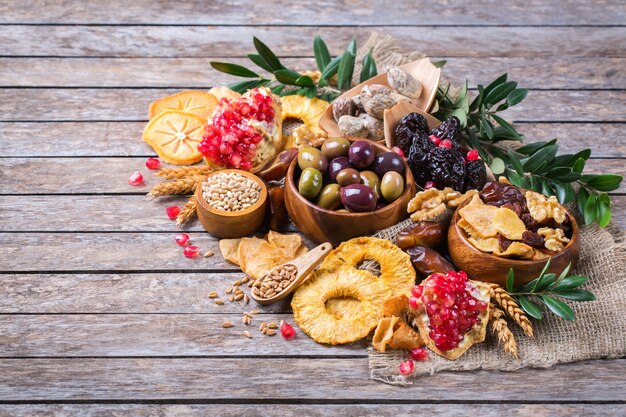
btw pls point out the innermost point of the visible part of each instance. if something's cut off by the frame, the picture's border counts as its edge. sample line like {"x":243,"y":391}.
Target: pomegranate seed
{"x":429,"y":184}
{"x":472,"y":155}
{"x":435,"y":139}
{"x":417,"y":291}
{"x":172,"y":212}
{"x":413,"y":302}
{"x":419,"y":354}
{"x":407,"y":367}
{"x":446,"y":143}
{"x":182,"y":239}
{"x":135,"y":179}
{"x":153,"y":163}
{"x":191,"y":251}
{"x":399,"y":151}
{"x":287,"y":331}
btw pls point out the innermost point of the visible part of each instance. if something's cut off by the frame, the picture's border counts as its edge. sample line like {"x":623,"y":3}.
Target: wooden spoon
{"x":304,"y":265}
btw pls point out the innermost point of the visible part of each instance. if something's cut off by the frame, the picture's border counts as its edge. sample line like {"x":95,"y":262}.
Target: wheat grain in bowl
{"x":230,"y":191}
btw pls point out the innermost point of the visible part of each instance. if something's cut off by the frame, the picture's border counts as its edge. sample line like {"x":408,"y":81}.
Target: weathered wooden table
{"x":100,"y":313}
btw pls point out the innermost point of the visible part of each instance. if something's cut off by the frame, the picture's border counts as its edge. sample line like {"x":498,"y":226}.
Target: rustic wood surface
{"x":100,"y":314}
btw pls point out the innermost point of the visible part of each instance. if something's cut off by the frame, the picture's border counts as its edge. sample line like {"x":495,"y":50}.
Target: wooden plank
{"x":292,"y":379}
{"x":352,"y":13}
{"x":133,"y":335}
{"x":109,"y":175}
{"x":236,"y":41}
{"x":311,"y":410}
{"x":123,"y":138}
{"x":50,"y":104}
{"x":557,"y":73}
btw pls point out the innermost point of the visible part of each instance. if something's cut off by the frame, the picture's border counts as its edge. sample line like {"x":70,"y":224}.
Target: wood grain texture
{"x":122,"y":138}
{"x":130,"y":335}
{"x":558,"y":73}
{"x":51,"y":104}
{"x":286,"y":41}
{"x":109,"y":175}
{"x":312,"y":410}
{"x":283,"y":379}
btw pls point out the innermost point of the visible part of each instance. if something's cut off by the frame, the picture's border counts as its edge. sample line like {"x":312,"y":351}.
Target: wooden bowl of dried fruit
{"x":231,"y":203}
{"x":485,"y":266}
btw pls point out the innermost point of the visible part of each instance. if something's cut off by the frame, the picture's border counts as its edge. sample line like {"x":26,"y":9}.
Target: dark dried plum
{"x":418,"y":162}
{"x":409,"y":126}
{"x":449,"y":129}
{"x":447,"y":168}
{"x":476,"y":175}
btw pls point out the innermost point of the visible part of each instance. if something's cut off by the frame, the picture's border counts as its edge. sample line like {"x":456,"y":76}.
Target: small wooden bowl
{"x":324,"y":225}
{"x":232,"y":224}
{"x":486,"y":267}
{"x":422,"y":69}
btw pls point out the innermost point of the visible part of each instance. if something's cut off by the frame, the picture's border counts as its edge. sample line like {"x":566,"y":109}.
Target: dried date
{"x":429,"y":234}
{"x":427,"y":261}
{"x":532,"y":239}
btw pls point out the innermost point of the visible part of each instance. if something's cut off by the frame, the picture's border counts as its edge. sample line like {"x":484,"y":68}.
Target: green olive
{"x":348,"y":176}
{"x":335,"y":147}
{"x":330,"y":197}
{"x":370,"y":179}
{"x":310,"y":183}
{"x":392,"y":186}
{"x":312,"y":158}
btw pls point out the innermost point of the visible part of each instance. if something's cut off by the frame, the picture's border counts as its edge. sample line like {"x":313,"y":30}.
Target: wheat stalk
{"x":501,"y":329}
{"x":188,"y":211}
{"x":508,"y":304}
{"x":179,"y":186}
{"x":181,"y":172}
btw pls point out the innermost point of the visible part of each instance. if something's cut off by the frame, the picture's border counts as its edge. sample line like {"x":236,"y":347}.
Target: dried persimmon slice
{"x":175,"y":135}
{"x":196,"y":102}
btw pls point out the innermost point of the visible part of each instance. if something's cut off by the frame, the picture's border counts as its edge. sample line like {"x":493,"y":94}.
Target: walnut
{"x":554,"y":239}
{"x":403,"y":82}
{"x":375,"y":127}
{"x":352,"y":126}
{"x":343,"y":106}
{"x":303,"y":137}
{"x":542,"y":208}
{"x":455,"y":198}
{"x":428,"y":205}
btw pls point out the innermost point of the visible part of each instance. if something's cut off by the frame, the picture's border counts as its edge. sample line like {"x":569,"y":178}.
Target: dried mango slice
{"x":517,"y":250}
{"x":199,"y":103}
{"x":507,"y":222}
{"x":480,"y":217}
{"x":175,"y":135}
{"x":489,"y":244}
{"x":290,"y":244}
{"x":230,"y":250}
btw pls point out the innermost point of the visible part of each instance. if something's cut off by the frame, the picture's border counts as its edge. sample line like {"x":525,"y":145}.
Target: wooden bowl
{"x":422,"y":69}
{"x":324,"y":225}
{"x":486,"y":267}
{"x":232,"y":224}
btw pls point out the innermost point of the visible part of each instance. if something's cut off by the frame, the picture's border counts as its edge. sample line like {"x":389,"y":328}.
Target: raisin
{"x":504,"y":242}
{"x":408,"y":127}
{"x":476,"y":175}
{"x":532,"y":239}
{"x":447,"y":168}
{"x":531,"y":224}
{"x":449,"y":129}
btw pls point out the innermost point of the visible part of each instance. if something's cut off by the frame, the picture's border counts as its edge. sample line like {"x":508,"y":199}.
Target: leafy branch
{"x":545,"y":291}
{"x":535,"y":166}
{"x":335,"y":73}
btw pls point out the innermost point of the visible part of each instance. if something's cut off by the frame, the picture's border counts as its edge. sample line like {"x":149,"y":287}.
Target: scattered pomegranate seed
{"x":399,"y":151}
{"x":287,"y":331}
{"x":419,"y":354}
{"x":153,"y":163}
{"x":182,"y":239}
{"x":429,"y":184}
{"x":472,"y":155}
{"x":435,"y":139}
{"x":191,"y":251}
{"x":136,"y":178}
{"x":446,"y":143}
{"x":413,"y":302}
{"x":407,"y":367}
{"x":417,"y":291}
{"x":172,"y":212}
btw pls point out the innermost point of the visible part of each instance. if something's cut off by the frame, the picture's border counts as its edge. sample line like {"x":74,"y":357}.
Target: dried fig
{"x":343,"y":106}
{"x":375,"y":127}
{"x":403,"y":82}
{"x":352,"y":126}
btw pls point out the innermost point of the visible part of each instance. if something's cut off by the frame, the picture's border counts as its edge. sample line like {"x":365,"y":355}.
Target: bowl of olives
{"x":346,"y":188}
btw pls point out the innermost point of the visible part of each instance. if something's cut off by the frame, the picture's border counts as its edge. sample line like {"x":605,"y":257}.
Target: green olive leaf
{"x":516,"y":96}
{"x":582,"y":200}
{"x":510,"y":280}
{"x":606,"y":182}
{"x":604,"y":210}
{"x":233,"y":69}
{"x":259,"y":61}
{"x":559,"y":308}
{"x":572,"y":282}
{"x":532,"y":309}
{"x":497,"y":166}
{"x":268,"y":56}
{"x":320,"y":50}
{"x":575,"y":294}
{"x":590,"y":209}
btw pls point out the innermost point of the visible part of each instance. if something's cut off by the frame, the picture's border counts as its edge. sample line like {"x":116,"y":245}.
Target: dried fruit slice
{"x":508,"y":224}
{"x":174,"y":136}
{"x":224,"y":92}
{"x":195,"y":102}
{"x":299,"y":109}
{"x":451,"y":313}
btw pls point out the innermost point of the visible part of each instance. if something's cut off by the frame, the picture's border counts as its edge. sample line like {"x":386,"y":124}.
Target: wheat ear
{"x":185,"y":185}
{"x":508,"y":304}
{"x":501,"y":329}
{"x":181,"y":172}
{"x":188,"y":211}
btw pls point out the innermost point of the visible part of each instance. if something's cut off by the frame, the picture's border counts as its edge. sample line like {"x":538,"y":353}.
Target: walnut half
{"x":542,"y":208}
{"x":427,"y":205}
{"x":554,"y":239}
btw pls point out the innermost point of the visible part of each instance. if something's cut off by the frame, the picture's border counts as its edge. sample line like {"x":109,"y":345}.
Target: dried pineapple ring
{"x":195,"y":102}
{"x":175,"y":135}
{"x":307,"y":111}
{"x":314,"y":318}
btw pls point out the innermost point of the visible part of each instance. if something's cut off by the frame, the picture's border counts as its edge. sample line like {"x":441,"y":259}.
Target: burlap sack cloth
{"x":599,"y":330}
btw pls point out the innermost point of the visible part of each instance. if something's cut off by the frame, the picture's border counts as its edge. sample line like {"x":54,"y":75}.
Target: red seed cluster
{"x":452,"y":309}
{"x":229,"y":139}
